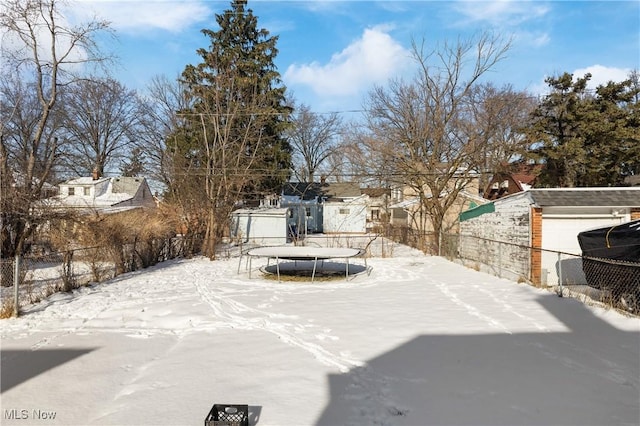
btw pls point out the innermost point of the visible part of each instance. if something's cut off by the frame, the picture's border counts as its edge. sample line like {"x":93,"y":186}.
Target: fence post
{"x":560,"y":291}
{"x":499,"y":259}
{"x":16,"y":282}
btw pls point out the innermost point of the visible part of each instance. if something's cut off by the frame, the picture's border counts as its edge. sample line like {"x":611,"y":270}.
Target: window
{"x":71,"y":191}
{"x":344,"y":211}
{"x":308,"y":211}
{"x":375,"y":214}
{"x":87,"y":191}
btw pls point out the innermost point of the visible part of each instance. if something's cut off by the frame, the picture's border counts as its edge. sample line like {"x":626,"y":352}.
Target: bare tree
{"x":212,"y":159}
{"x":420,"y":129}
{"x":41,"y":49}
{"x":102,"y":122}
{"x":162,"y":102}
{"x":313,"y":138}
{"x":499,"y":117}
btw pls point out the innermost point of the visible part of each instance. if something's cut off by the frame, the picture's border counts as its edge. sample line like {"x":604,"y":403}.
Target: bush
{"x":127,"y":240}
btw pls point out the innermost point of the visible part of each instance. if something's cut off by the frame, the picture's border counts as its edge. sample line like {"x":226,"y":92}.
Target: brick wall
{"x":536,"y":243}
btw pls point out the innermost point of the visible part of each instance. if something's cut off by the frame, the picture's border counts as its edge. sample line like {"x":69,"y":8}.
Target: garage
{"x":549,"y":221}
{"x":560,"y":229}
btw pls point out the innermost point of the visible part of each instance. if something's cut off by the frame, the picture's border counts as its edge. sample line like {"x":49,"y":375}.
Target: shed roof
{"x":341,"y":190}
{"x":376,"y":192}
{"x":312,"y":190}
{"x":261,"y":212}
{"x":594,"y":197}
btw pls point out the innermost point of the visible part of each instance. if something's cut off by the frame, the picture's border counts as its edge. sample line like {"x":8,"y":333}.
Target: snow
{"x":414,"y":340}
{"x":304,"y":252}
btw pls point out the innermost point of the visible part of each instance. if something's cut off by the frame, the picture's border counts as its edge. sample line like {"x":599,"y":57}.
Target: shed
{"x":344,"y":208}
{"x":345,"y":215}
{"x":548,"y":219}
{"x":264,"y":226}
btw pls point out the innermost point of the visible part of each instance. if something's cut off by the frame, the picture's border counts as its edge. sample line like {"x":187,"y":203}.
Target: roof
{"x":595,"y":197}
{"x":376,"y":192}
{"x":524,"y":178}
{"x":113,"y":192}
{"x":306,"y":191}
{"x":312,"y":190}
{"x":126,"y":185}
{"x":341,"y":190}
{"x":85,"y":181}
{"x":261,"y":212}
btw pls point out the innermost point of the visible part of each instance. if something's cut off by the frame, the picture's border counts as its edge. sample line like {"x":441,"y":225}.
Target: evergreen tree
{"x":134,"y":166}
{"x":230,"y":146}
{"x":240,"y":63}
{"x":612,"y":137}
{"x":555,"y":131}
{"x":586,"y":139}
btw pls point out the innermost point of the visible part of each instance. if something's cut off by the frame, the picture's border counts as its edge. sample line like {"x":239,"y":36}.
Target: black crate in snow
{"x":228,"y":415}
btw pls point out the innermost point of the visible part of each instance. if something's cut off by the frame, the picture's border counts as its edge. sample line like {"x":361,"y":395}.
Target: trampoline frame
{"x":303,"y":253}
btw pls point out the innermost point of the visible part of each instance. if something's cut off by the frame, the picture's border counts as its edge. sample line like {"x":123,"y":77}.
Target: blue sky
{"x":331,"y":53}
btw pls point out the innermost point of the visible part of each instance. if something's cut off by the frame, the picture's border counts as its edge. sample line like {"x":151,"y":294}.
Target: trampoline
{"x":304,"y":253}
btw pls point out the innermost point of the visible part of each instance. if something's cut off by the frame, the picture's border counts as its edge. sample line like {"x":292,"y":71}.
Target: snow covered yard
{"x":418,"y":341}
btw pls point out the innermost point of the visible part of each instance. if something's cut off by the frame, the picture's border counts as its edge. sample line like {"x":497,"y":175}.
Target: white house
{"x":106,"y":194}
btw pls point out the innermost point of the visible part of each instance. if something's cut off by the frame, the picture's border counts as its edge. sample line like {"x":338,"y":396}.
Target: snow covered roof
{"x":105,"y":193}
{"x":84,"y":181}
{"x":261,"y":212}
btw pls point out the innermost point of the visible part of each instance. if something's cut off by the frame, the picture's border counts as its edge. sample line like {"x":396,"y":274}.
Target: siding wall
{"x":345,"y":217}
{"x":511,"y":221}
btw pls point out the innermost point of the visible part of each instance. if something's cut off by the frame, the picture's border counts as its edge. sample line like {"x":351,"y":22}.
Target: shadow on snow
{"x":588,"y":375}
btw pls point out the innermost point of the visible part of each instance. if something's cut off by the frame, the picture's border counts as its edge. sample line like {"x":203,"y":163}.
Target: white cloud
{"x":140,"y":16}
{"x":540,"y":40}
{"x":601,"y":75}
{"x":501,"y":12}
{"x":371,"y":59}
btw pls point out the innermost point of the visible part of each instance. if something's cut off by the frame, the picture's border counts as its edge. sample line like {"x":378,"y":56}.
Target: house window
{"x":71,"y":190}
{"x":375,"y":214}
{"x":308,"y":211}
{"x":344,"y":211}
{"x":87,"y":191}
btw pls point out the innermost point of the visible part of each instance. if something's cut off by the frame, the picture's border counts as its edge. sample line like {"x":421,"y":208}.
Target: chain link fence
{"x":29,"y":279}
{"x":613,"y":283}
{"x":608,"y":282}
